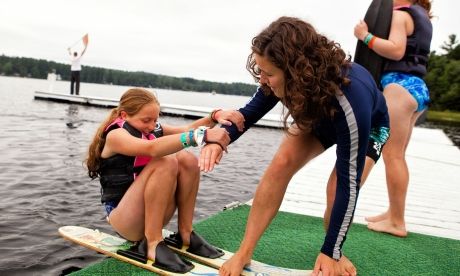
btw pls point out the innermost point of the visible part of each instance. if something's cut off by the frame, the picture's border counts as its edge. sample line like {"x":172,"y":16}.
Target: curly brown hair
{"x":131,"y":102}
{"x":313,"y":68}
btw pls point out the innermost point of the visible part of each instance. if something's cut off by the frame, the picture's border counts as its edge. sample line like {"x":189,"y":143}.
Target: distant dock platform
{"x":187,"y":111}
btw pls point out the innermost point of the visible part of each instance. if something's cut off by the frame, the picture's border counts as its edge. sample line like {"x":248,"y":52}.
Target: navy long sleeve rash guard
{"x":360,"y":108}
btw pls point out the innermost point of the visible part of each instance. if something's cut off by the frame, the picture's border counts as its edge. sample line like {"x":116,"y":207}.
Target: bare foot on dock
{"x":377,"y":218}
{"x":386,"y":226}
{"x":346,"y":267}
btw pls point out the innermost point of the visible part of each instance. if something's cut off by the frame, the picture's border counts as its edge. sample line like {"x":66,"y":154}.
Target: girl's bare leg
{"x":187,"y":191}
{"x":143,"y":209}
{"x":401,"y":107}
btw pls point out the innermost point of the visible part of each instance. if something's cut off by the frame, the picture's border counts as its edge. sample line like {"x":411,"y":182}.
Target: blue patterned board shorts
{"x":415,"y":85}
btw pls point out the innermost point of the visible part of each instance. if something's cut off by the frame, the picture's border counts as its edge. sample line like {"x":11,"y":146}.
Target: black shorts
{"x":377,"y":139}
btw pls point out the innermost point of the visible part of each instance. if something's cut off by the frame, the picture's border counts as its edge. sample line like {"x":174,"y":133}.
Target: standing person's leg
{"x":72,"y":81}
{"x":401,"y":108}
{"x":77,"y":82}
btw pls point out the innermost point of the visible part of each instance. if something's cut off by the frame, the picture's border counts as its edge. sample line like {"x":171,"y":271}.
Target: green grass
{"x":444,"y":116}
{"x":294,"y":241}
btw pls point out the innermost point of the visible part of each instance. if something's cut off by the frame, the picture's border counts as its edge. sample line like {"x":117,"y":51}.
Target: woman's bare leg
{"x":332,"y":186}
{"x":345,"y":266}
{"x":401,"y":108}
{"x":293,"y":153}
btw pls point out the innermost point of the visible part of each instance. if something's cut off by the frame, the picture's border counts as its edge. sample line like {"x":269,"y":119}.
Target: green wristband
{"x":367,"y":38}
{"x":183,"y":140}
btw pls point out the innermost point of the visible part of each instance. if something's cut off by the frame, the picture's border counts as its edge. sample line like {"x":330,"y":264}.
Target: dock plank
{"x":433,"y":200}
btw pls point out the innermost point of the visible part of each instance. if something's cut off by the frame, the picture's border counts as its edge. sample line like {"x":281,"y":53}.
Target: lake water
{"x":44,"y":184}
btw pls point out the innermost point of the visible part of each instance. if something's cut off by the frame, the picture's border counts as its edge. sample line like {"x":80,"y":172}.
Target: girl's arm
{"x":120,"y":141}
{"x":224,"y":117}
{"x":169,"y":129}
{"x":394,"y":47}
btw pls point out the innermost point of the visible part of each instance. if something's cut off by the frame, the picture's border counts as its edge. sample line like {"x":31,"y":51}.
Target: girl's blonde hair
{"x":131,"y":102}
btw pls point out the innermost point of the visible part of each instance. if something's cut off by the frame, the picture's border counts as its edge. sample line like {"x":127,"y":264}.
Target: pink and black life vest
{"x":118,"y":172}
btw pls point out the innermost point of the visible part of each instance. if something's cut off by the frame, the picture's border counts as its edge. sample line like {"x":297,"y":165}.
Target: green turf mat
{"x":294,"y":241}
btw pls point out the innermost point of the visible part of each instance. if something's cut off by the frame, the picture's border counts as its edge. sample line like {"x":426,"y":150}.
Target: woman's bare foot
{"x":346,"y":267}
{"x":386,"y":226}
{"x":377,"y":218}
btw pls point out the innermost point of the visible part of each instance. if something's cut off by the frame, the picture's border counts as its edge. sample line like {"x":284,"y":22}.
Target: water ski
{"x":109,"y":245}
{"x":378,"y":19}
{"x":255,"y":268}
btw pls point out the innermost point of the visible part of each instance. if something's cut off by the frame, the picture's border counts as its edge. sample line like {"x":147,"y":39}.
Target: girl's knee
{"x":167,"y":164}
{"x":187,"y":160}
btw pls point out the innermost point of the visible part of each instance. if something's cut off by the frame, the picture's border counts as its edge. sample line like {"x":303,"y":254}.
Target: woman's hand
{"x":210,"y":155}
{"x":326,"y":265}
{"x":227,"y":117}
{"x":217,"y":136}
{"x":361,"y":30}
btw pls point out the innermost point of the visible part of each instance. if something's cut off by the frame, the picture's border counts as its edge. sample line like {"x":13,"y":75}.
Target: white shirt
{"x":76,"y":66}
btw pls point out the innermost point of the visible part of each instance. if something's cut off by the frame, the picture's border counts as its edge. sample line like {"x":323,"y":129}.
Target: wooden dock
{"x":269,"y":120}
{"x":433,"y":200}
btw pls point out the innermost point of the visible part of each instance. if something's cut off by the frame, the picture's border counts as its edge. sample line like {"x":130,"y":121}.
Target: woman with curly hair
{"x":331,"y":101}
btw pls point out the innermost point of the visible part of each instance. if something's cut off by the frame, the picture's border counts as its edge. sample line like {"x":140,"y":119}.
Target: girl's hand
{"x":227,"y":117}
{"x":361,"y":30}
{"x":210,"y":155}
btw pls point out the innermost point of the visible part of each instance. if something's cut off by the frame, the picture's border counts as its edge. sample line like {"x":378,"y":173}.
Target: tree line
{"x":443,"y":77}
{"x":39,"y":68}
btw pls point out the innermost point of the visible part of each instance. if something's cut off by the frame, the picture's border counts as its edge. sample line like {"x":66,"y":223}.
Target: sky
{"x":202,"y":39}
